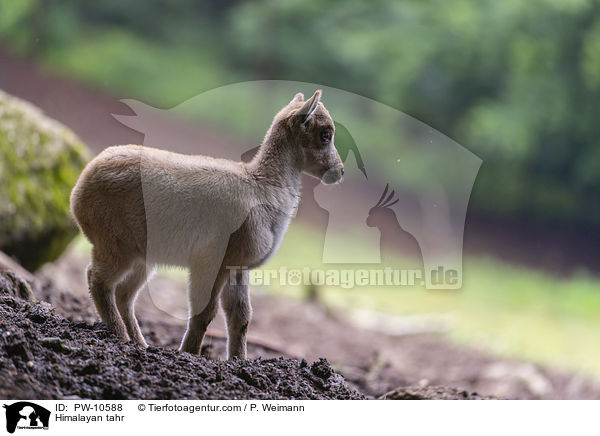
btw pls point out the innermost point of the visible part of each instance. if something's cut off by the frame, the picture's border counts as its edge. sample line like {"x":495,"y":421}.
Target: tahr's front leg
{"x":203,"y":299}
{"x":235,"y":300}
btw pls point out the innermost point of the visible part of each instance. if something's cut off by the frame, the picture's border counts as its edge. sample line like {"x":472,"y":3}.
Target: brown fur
{"x":126,"y":186}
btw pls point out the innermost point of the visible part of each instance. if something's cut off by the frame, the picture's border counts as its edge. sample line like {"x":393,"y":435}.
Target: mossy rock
{"x":40,"y":160}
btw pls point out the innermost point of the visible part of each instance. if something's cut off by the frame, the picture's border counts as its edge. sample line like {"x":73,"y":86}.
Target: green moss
{"x":40,"y":160}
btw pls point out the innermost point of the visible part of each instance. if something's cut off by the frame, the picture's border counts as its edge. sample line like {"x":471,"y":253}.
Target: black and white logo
{"x":26,"y":415}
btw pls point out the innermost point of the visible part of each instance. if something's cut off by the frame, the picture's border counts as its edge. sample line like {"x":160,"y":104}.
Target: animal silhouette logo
{"x":432,"y":175}
{"x":26,"y":415}
{"x":393,"y":236}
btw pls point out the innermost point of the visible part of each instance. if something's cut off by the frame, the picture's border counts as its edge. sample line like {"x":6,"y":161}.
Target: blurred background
{"x":516,"y":83}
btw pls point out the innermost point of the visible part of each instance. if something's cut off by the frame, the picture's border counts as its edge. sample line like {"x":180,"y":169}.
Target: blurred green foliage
{"x":40,"y":161}
{"x":515,"y":82}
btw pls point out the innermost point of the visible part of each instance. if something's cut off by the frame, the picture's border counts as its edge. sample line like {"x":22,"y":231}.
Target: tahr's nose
{"x":342,"y":170}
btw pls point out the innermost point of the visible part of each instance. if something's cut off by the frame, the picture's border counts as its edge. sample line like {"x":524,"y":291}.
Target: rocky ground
{"x":44,"y":355}
{"x":56,"y":348}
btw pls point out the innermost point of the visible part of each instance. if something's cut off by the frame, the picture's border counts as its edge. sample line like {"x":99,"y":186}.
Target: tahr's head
{"x":312,"y":130}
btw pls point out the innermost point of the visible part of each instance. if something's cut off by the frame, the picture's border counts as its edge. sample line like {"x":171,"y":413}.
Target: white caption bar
{"x":80,"y":417}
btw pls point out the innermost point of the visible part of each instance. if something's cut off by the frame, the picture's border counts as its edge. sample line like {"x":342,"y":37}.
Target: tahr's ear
{"x":297,"y":98}
{"x":308,"y":109}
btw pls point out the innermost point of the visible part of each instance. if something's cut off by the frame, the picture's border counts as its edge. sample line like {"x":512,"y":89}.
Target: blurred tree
{"x":515,"y":82}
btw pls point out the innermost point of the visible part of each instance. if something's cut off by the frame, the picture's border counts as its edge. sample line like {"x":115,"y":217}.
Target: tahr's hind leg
{"x":102,"y":277}
{"x":126,"y":293}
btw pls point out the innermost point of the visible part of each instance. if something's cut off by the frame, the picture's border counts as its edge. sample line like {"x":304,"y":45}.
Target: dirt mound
{"x":43,"y":355}
{"x":432,"y":393}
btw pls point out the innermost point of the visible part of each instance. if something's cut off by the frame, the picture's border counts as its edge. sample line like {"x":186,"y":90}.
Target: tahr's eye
{"x":326,"y":136}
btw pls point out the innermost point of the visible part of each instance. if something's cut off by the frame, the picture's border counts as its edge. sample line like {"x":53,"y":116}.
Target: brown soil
{"x":432,"y":393}
{"x":72,"y":354}
{"x":45,"y":356}
{"x":374,"y":363}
